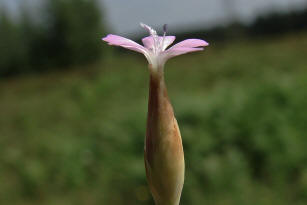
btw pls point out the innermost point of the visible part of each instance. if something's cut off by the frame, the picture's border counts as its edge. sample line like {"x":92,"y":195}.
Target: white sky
{"x":123,"y":16}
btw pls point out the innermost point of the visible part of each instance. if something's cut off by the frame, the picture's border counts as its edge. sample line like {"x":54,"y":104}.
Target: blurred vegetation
{"x":67,"y":34}
{"x":270,"y":24}
{"x":76,"y":137}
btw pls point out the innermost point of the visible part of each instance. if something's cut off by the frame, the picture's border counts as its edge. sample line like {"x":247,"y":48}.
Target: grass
{"x":77,"y":137}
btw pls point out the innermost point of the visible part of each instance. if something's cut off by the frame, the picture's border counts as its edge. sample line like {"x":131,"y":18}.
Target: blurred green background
{"x":73,"y":111}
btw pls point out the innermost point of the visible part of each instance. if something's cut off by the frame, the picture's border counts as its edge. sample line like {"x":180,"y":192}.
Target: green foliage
{"x":68,"y":34}
{"x":73,"y":31}
{"x":11,"y":46}
{"x":78,"y":138}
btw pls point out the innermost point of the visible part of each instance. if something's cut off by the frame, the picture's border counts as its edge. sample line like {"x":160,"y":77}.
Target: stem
{"x":164,"y":158}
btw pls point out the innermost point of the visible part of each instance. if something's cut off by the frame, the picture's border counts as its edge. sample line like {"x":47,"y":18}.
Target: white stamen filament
{"x":157,"y":48}
{"x":158,"y":45}
{"x":164,"y":34}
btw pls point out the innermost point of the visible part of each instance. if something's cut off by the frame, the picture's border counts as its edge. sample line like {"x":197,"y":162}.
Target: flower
{"x":163,"y":150}
{"x":155,"y":47}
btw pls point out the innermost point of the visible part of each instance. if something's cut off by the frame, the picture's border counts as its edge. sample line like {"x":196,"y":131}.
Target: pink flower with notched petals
{"x":155,"y":47}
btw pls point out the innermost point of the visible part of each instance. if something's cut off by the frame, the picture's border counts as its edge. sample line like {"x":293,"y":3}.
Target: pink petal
{"x":186,"y":46}
{"x":179,"y":51}
{"x":124,"y":42}
{"x":149,"y":41}
{"x":190,"y":43}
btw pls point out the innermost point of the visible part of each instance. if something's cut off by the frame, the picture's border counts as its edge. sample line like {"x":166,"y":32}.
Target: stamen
{"x":154,"y":35}
{"x":149,"y":29}
{"x":164,"y":34}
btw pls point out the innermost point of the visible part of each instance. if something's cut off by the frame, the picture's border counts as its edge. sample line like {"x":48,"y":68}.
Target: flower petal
{"x":190,"y":43}
{"x":148,"y":42}
{"x":186,"y":46}
{"x":124,"y":42}
{"x":179,"y":51}
{"x":168,"y":40}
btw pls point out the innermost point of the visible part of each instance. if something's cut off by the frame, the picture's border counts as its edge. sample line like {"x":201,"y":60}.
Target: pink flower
{"x":163,"y":151}
{"x":155,"y":47}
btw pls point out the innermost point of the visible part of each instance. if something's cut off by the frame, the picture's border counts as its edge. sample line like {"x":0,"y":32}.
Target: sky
{"x":124,"y":16}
